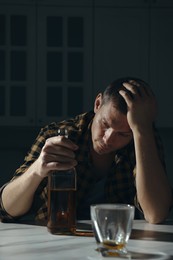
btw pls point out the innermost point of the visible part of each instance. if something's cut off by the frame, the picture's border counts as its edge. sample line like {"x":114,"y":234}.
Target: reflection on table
{"x":22,"y":241}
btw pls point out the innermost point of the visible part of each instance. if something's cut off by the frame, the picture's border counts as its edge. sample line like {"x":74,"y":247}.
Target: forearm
{"x":17,"y":196}
{"x":153,"y":190}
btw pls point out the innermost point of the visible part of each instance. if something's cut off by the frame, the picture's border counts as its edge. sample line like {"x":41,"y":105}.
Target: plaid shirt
{"x":120,"y":180}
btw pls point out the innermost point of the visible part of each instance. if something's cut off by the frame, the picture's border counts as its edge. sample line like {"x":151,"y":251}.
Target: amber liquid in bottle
{"x":61,"y":211}
{"x":62,"y":202}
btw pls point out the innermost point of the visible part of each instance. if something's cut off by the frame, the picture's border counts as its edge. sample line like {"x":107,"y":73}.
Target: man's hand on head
{"x":141,"y":104}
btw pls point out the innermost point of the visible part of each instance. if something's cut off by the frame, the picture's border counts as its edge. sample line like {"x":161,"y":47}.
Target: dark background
{"x":56,"y":55}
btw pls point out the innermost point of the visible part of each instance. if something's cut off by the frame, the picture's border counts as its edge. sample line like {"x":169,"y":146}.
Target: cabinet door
{"x":162,"y":62}
{"x":17,"y":65}
{"x":121,"y":44}
{"x":64,"y":62}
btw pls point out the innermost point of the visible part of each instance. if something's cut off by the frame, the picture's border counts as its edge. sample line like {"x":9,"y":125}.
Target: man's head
{"x":111,"y":93}
{"x":110,"y":128}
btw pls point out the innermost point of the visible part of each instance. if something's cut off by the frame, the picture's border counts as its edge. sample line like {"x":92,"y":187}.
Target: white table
{"x":21,"y":241}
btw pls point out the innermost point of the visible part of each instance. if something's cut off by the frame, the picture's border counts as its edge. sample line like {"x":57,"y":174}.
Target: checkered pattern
{"x":120,"y":183}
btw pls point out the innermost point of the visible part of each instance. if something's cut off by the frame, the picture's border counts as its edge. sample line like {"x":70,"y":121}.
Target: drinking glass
{"x":112,"y":225}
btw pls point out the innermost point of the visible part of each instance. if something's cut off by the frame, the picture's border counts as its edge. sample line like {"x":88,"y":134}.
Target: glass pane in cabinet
{"x":75,"y":66}
{"x":75,"y":31}
{"x":2,"y":29}
{"x":54,"y":101}
{"x":18,"y":101}
{"x":2,"y":100}
{"x":2,"y":65}
{"x":75,"y":101}
{"x":18,"y":30}
{"x":54,"y":31}
{"x":18,"y":65}
{"x":54,"y":66}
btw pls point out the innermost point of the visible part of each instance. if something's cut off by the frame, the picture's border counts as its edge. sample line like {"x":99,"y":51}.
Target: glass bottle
{"x":62,"y":199}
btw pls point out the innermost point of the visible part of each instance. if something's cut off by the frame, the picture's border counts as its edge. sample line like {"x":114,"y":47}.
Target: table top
{"x":22,"y":241}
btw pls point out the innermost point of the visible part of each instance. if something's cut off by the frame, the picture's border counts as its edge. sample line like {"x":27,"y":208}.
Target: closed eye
{"x":105,"y":124}
{"x":129,"y":134}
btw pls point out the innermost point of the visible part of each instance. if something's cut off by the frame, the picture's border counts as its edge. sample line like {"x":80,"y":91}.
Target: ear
{"x":98,"y":102}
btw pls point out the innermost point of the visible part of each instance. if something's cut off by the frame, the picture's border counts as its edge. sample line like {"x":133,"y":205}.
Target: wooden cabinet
{"x":56,"y":55}
{"x":134,"y":38}
{"x":17,"y":64}
{"x":161,"y":62}
{"x":64,"y":62}
{"x":121,"y":44}
{"x":45,"y":61}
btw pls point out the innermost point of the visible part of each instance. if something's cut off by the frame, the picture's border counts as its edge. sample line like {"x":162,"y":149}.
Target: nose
{"x":107,"y":138}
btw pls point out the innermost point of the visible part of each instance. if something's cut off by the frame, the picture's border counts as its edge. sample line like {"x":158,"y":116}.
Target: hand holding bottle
{"x":58,"y":153}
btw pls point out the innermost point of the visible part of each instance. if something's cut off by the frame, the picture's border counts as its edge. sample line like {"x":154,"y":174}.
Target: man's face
{"x":110,"y":129}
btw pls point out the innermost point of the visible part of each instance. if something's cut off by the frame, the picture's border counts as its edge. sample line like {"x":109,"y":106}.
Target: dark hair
{"x":111,"y":93}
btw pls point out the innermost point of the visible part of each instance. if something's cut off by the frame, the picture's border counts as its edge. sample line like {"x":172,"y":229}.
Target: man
{"x":116,"y":151}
